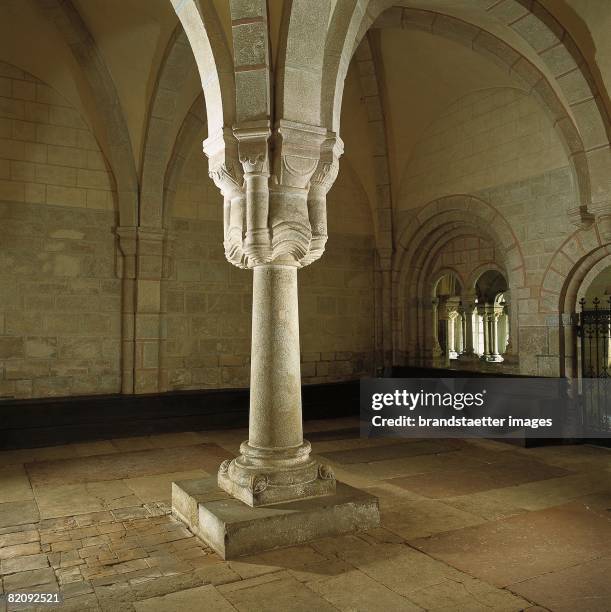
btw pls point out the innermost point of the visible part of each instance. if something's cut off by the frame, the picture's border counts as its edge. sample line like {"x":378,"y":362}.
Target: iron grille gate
{"x":594,"y":331}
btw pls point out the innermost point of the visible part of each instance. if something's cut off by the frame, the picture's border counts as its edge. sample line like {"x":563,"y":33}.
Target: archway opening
{"x":491,"y":329}
{"x":448,"y":332}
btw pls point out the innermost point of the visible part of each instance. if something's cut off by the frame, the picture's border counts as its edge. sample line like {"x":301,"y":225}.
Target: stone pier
{"x":274,"y":493}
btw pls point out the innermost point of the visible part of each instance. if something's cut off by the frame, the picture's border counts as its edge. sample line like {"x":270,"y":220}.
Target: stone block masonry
{"x":48,"y":155}
{"x":60,"y":302}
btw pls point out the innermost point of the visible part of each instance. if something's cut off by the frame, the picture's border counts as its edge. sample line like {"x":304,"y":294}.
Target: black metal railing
{"x":594,"y":331}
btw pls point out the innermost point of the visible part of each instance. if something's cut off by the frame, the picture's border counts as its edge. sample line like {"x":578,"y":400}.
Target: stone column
{"x":274,"y":175}
{"x":451,"y":352}
{"x":483,"y":312}
{"x":459,"y":326}
{"x":496,"y":352}
{"x":275,"y":463}
{"x":436,"y":350}
{"x":494,"y":320}
{"x":284,"y":208}
{"x":491,"y":333}
{"x":469,"y":311}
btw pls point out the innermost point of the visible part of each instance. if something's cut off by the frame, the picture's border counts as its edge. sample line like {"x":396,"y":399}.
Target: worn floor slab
{"x":478,"y":526}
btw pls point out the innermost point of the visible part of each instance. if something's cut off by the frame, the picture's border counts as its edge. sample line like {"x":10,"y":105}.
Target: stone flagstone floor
{"x":466,"y":525}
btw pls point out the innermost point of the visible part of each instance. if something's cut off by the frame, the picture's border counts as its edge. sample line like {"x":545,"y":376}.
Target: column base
{"x":259,"y":477}
{"x":233,"y":529}
{"x":492,"y":358}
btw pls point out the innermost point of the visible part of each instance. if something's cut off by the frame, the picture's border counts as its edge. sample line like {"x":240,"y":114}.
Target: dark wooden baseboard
{"x":52,"y":421}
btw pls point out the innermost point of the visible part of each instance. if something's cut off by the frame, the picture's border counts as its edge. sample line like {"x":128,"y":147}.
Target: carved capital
{"x":253,"y":139}
{"x":469,"y":301}
{"x":234,"y":231}
{"x":221,"y":149}
{"x":320,"y":182}
{"x":291,"y":233}
{"x":297,"y":150}
{"x":282,"y":217}
{"x":227,"y":177}
{"x":328,"y":164}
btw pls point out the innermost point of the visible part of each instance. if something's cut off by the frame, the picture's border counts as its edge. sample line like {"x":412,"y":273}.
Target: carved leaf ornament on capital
{"x":274,"y":186}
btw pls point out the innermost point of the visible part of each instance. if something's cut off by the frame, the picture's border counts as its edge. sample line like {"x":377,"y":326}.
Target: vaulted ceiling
{"x":422,"y":73}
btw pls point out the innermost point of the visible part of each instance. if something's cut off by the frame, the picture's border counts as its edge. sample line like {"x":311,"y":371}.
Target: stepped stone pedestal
{"x":233,"y":529}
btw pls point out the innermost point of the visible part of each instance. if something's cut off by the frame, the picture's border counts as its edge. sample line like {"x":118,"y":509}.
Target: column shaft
{"x":436,"y":349}
{"x":459,"y":345}
{"x":494,"y":335}
{"x":469,"y":345}
{"x":275,"y":464}
{"x":275,"y":392}
{"x":486,"y":324}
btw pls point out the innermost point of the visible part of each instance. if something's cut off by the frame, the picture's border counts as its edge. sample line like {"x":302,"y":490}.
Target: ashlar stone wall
{"x":466,"y":255}
{"x":60,"y":300}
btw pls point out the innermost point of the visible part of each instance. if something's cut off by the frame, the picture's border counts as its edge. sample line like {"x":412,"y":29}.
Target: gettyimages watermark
{"x":485,"y":407}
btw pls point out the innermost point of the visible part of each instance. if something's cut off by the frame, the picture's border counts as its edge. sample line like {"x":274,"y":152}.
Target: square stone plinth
{"x":233,"y":529}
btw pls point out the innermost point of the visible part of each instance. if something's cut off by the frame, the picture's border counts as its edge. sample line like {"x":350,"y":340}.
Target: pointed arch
{"x":68,"y":21}
{"x":160,"y":133}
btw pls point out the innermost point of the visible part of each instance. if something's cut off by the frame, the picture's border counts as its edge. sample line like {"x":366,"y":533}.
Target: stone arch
{"x":368,"y":64}
{"x":577,"y":254}
{"x":601,"y":265}
{"x":86,"y":52}
{"x":455,"y":209}
{"x":369,"y":74}
{"x":428,"y":253}
{"x":214,"y":61}
{"x":191,"y":131}
{"x":586,"y":137}
{"x":175,"y":68}
{"x":433,"y":225}
{"x":579,"y":258}
{"x":300,"y":66}
{"x":252,"y":65}
{"x":528,"y":74}
{"x":445,"y":271}
{"x":480,"y":270}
